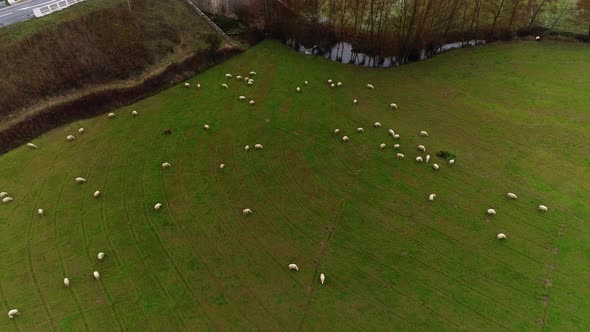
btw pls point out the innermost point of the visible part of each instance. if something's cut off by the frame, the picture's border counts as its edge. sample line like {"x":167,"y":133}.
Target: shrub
{"x":446,"y":155}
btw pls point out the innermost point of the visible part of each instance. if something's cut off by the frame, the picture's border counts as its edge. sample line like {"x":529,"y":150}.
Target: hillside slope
{"x":514,"y":114}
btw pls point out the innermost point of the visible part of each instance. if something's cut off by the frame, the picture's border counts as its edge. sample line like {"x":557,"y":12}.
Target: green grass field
{"x":515,"y":114}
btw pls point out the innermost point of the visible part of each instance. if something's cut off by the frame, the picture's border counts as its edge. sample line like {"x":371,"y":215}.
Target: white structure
{"x":53,"y":7}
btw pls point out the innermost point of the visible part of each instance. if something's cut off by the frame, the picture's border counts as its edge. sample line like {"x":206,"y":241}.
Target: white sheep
{"x":298,"y":89}
{"x":501,"y":236}
{"x":377,"y":125}
{"x":431,"y":197}
{"x":491,"y":212}
{"x":96,"y":275}
{"x":511,"y":195}
{"x":223,"y":85}
{"x":198,"y":86}
{"x":253,"y":73}
{"x":250,"y":82}
{"x":332,"y":85}
{"x":100,"y":256}
{"x":424,"y":133}
{"x":134,"y":113}
{"x":370,"y":86}
{"x":345,"y":139}
{"x":111,"y":115}
{"x":31,"y":145}
{"x":81,"y":130}
{"x":252,"y":102}
{"x":330,"y":81}
{"x":3,"y":194}
{"x":96,"y":194}
{"x":360,"y":130}
{"x":166,"y":165}
{"x":322,"y":278}
{"x":238,"y":77}
{"x":293,"y":267}
{"x":396,"y":146}
{"x":427,"y":158}
{"x":435,"y":166}
{"x":258,"y":146}
{"x":247,"y":147}
{"x":187,"y":84}
{"x":80,"y":180}
{"x":355,"y":101}
{"x":336,"y":131}
{"x":452,"y":161}
{"x":157,"y":206}
{"x":67,"y":282}
{"x":246,"y":79}
{"x":542,"y":208}
{"x":7,"y":199}
{"x":422,"y":148}
{"x":70,"y":138}
{"x":382,"y":146}
{"x":400,"y":155}
{"x":393,"y":106}
{"x":391,"y":132}
{"x":305,"y":83}
{"x":242,"y":97}
{"x":419,"y":159}
{"x":228,"y":76}
{"x":246,"y":211}
{"x":206,"y":127}
{"x":221,"y":166}
{"x":396,"y":136}
{"x":339,"y":84}
{"x":40,"y":212}
{"x":12,"y":313}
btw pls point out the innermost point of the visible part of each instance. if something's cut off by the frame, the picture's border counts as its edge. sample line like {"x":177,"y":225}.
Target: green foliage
{"x":446,"y":155}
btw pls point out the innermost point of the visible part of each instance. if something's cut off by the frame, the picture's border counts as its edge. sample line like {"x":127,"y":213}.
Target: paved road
{"x":21,"y":11}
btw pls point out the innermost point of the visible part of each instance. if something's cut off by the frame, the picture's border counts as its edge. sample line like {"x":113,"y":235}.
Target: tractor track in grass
{"x":547,"y":301}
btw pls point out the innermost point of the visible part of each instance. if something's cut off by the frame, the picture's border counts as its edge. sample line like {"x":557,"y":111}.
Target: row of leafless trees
{"x":402,"y":27}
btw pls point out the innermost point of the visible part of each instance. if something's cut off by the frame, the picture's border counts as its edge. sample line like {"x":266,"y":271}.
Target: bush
{"x":446,"y":155}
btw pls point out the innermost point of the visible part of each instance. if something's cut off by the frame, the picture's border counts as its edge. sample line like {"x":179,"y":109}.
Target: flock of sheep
{"x":4,"y":196}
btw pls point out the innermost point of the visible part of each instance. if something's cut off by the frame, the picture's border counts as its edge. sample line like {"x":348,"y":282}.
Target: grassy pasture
{"x":515,"y":114}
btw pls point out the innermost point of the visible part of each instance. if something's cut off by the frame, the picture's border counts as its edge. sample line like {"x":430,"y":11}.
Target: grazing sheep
{"x":538,"y":38}
{"x":252,"y":102}
{"x":345,"y":139}
{"x":424,"y":133}
{"x":360,"y":130}
{"x":238,"y":77}
{"x":293,"y":267}
{"x":332,"y":85}
{"x":246,"y":79}
{"x":3,"y":194}
{"x":435,"y":166}
{"x":431,"y":197}
{"x":242,"y":97}
{"x":382,"y":146}
{"x":7,"y":199}
{"x":370,"y":86}
{"x":81,"y":130}
{"x":40,"y":212}
{"x":501,"y":236}
{"x":322,"y":278}
{"x":393,"y":106}
{"x":166,"y":165}
{"x":67,"y":282}
{"x":253,"y":73}
{"x":12,"y":313}
{"x":336,"y":131}
{"x":491,"y":212}
{"x":228,"y":76}
{"x":421,"y":148}
{"x":452,"y":161}
{"x":198,"y":86}
{"x":396,"y":146}
{"x":400,"y":155}
{"x":396,"y":136}
{"x":542,"y":208}
{"x":223,"y":85}
{"x":391,"y":132}
{"x":187,"y":84}
{"x":258,"y":146}
{"x":339,"y":84}
{"x":80,"y":180}
{"x":298,"y":89}
{"x":305,"y":83}
{"x":247,"y":147}
{"x":419,"y":159}
{"x":96,"y":194}
{"x":96,"y":275}
{"x":111,"y":115}
{"x":427,"y":158}
{"x":250,"y":82}
{"x":246,"y":211}
{"x":221,"y":166}
{"x":32,"y":146}
{"x":355,"y":101}
{"x":512,"y":195}
{"x":377,"y":125}
{"x":206,"y":127}
{"x":330,"y":81}
{"x":100,"y":256}
{"x":157,"y":206}
{"x":134,"y":113}
{"x":70,"y":138}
